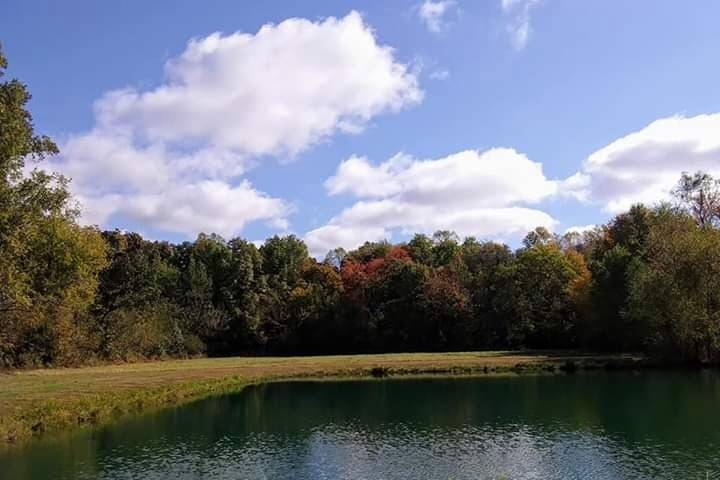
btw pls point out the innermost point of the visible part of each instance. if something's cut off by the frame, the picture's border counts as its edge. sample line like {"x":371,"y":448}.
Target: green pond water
{"x":652,"y":425}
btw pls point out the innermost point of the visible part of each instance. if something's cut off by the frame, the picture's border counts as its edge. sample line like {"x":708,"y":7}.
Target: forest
{"x":647,"y":281}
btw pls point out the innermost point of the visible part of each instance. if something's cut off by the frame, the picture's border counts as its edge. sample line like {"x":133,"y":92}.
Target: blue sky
{"x":485,"y":117}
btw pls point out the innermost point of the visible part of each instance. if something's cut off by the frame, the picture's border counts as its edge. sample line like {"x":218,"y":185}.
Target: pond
{"x":650,"y":425}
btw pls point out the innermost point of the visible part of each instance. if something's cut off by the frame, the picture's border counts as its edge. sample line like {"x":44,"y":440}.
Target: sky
{"x":345,"y":121}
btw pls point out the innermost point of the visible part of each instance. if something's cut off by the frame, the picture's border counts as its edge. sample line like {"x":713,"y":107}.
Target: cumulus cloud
{"x":645,"y":165}
{"x":432,"y":13}
{"x":278,"y":91}
{"x":160,"y":188}
{"x":100,"y":161}
{"x":486,"y":194}
{"x":495,"y":177}
{"x":210,"y":206}
{"x":172,"y":157}
{"x":518,"y":13}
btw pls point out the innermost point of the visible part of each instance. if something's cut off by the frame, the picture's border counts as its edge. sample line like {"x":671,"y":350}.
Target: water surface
{"x":590,"y":426}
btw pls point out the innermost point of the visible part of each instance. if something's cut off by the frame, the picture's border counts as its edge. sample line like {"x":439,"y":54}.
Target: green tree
{"x":222,"y":284}
{"x":542,"y":306}
{"x":370,"y":251}
{"x":138,"y":287}
{"x":421,"y":249}
{"x":613,"y":257}
{"x":487,"y":275}
{"x":445,"y":248}
{"x":314,"y":310}
{"x":64,"y":265}
{"x":283,"y":258}
{"x":247,"y":285}
{"x":283,"y":261}
{"x":675,"y":294}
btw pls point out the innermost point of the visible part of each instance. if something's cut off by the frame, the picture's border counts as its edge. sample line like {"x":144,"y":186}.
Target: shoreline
{"x":36,"y":403}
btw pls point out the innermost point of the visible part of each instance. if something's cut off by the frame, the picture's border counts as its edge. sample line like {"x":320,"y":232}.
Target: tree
{"x":370,"y":251}
{"x":543,"y":315}
{"x":486,"y":273}
{"x":699,"y":194}
{"x":64,"y":266}
{"x":421,"y":249}
{"x":445,"y":247}
{"x":138,"y":278}
{"x":283,"y":262}
{"x":199,"y":313}
{"x":247,"y":286}
{"x":675,"y":294}
{"x":313,"y":308}
{"x":539,"y":236}
{"x":283,"y":258}
{"x":447,"y":306}
{"x":613,"y":256}
{"x":394,"y":301}
{"x":221,"y":293}
{"x":335,"y":258}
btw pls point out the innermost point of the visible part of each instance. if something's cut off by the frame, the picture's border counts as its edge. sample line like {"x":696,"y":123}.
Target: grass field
{"x":34,"y":402}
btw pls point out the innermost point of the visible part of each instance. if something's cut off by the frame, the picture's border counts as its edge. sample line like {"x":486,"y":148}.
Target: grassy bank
{"x":39,"y":401}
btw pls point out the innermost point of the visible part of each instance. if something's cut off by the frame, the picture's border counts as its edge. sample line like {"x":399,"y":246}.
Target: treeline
{"x":649,"y":281}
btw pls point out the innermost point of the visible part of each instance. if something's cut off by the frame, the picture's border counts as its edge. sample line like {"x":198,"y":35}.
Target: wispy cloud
{"x":432,"y":13}
{"x":440,"y":74}
{"x":519,"y":20}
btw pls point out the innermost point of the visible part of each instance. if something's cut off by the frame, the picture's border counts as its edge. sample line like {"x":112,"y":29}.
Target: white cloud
{"x":495,"y":177}
{"x":518,"y":26}
{"x":357,"y":176}
{"x":276,"y":92}
{"x":108,"y":161}
{"x":441,"y":74}
{"x":162,"y":189}
{"x":208,"y":206}
{"x":187,"y":208}
{"x":432,"y":13}
{"x":645,"y":165}
{"x":486,"y":194}
{"x":172,"y":157}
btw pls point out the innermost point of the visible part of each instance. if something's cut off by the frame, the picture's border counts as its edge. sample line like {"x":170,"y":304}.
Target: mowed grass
{"x":34,"y":402}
